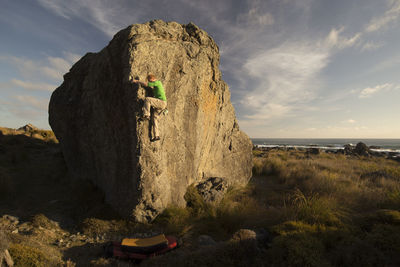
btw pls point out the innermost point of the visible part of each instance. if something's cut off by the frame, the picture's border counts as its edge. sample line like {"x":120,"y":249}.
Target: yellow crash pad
{"x":145,"y":242}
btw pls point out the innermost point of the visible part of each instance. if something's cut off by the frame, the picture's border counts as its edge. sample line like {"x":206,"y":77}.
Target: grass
{"x":324,"y":210}
{"x":319,"y":210}
{"x":26,"y":256}
{"x":4,"y":241}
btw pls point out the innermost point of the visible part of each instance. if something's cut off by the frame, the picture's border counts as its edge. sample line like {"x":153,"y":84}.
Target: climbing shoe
{"x":155,"y":139}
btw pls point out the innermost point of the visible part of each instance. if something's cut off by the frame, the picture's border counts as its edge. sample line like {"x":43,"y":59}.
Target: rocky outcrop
{"x":213,"y":189}
{"x":94,"y":115}
{"x":28,"y":128}
{"x":360,"y":149}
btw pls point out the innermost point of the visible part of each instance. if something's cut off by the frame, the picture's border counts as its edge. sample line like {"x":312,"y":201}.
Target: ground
{"x":312,"y":210}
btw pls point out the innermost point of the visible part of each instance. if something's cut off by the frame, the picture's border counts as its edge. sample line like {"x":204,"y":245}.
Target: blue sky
{"x":295,"y":68}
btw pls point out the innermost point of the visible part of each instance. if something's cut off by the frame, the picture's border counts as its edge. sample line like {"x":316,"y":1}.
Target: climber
{"x":158,"y":102}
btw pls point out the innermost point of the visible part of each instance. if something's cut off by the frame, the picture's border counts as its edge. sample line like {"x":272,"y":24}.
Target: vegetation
{"x":318,"y":210}
{"x":321,"y":210}
{"x":28,"y":256}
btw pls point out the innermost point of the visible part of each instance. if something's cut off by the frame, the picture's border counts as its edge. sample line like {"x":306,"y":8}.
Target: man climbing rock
{"x":158,"y":102}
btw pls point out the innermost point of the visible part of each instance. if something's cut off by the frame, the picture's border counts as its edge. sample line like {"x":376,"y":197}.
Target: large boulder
{"x":94,"y":114}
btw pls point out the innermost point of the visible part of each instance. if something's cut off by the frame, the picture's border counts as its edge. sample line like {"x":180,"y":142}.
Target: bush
{"x":317,"y":210}
{"x":392,"y":200}
{"x":42,"y":221}
{"x":4,"y":242}
{"x":223,"y":254}
{"x":29,"y":256}
{"x":269,"y":166}
{"x":174,"y":219}
{"x":297,"y":245}
{"x":386,"y":238}
{"x":258,"y":166}
{"x":353,"y":251}
{"x":196,"y":203}
{"x":97,"y":227}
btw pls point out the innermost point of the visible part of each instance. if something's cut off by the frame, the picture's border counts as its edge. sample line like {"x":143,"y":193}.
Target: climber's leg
{"x":152,"y":102}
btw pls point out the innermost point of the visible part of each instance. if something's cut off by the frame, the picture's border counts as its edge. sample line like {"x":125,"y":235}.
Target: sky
{"x":295,"y":68}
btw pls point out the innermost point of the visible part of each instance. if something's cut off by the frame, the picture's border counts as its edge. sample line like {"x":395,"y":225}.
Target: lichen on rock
{"x":94,"y":114}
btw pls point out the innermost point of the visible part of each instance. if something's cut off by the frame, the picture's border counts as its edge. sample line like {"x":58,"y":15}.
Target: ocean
{"x":380,"y":145}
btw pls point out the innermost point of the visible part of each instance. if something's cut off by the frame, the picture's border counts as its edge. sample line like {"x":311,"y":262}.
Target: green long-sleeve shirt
{"x":158,"y":90}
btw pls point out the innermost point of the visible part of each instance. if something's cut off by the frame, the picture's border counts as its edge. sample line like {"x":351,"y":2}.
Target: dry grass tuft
{"x":4,"y":241}
{"x":24,"y":255}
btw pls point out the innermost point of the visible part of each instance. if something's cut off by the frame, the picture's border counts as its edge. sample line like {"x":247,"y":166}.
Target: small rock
{"x":11,"y":219}
{"x":15,"y":231}
{"x":206,"y":240}
{"x":348,"y":149}
{"x":244,"y":234}
{"x":314,"y":151}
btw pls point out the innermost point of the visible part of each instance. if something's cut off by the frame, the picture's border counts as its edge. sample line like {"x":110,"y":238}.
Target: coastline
{"x":385,"y":146}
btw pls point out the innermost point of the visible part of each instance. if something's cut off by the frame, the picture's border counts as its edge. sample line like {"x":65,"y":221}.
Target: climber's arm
{"x":142,"y":83}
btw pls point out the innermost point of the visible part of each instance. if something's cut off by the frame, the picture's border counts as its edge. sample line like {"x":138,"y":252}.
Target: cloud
{"x":335,"y":39}
{"x":256,"y":17}
{"x":26,"y":91}
{"x":107,"y":16}
{"x":32,"y":85}
{"x":33,"y":102}
{"x":390,"y":15}
{"x":48,"y":68}
{"x":369,"y":91}
{"x":351,"y":121}
{"x":391,"y":63}
{"x":25,"y":108}
{"x":371,"y":46}
{"x":287,"y":76}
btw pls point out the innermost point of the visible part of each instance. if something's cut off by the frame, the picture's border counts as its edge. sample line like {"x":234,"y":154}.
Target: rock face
{"x":94,"y":115}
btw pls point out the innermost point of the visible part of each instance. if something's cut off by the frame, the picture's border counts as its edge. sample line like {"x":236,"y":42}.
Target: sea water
{"x":380,"y":145}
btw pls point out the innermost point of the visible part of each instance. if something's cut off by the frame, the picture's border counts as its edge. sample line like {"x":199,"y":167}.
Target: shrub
{"x":297,"y":246}
{"x":317,"y":210}
{"x":392,"y":200}
{"x":257,"y":153}
{"x":223,"y":254}
{"x":269,"y":166}
{"x":96,"y":227}
{"x":386,"y":238}
{"x":42,"y":221}
{"x":196,"y":203}
{"x":29,"y":256}
{"x":174,"y":219}
{"x":258,"y":166}
{"x":4,"y":242}
{"x":353,"y":251}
